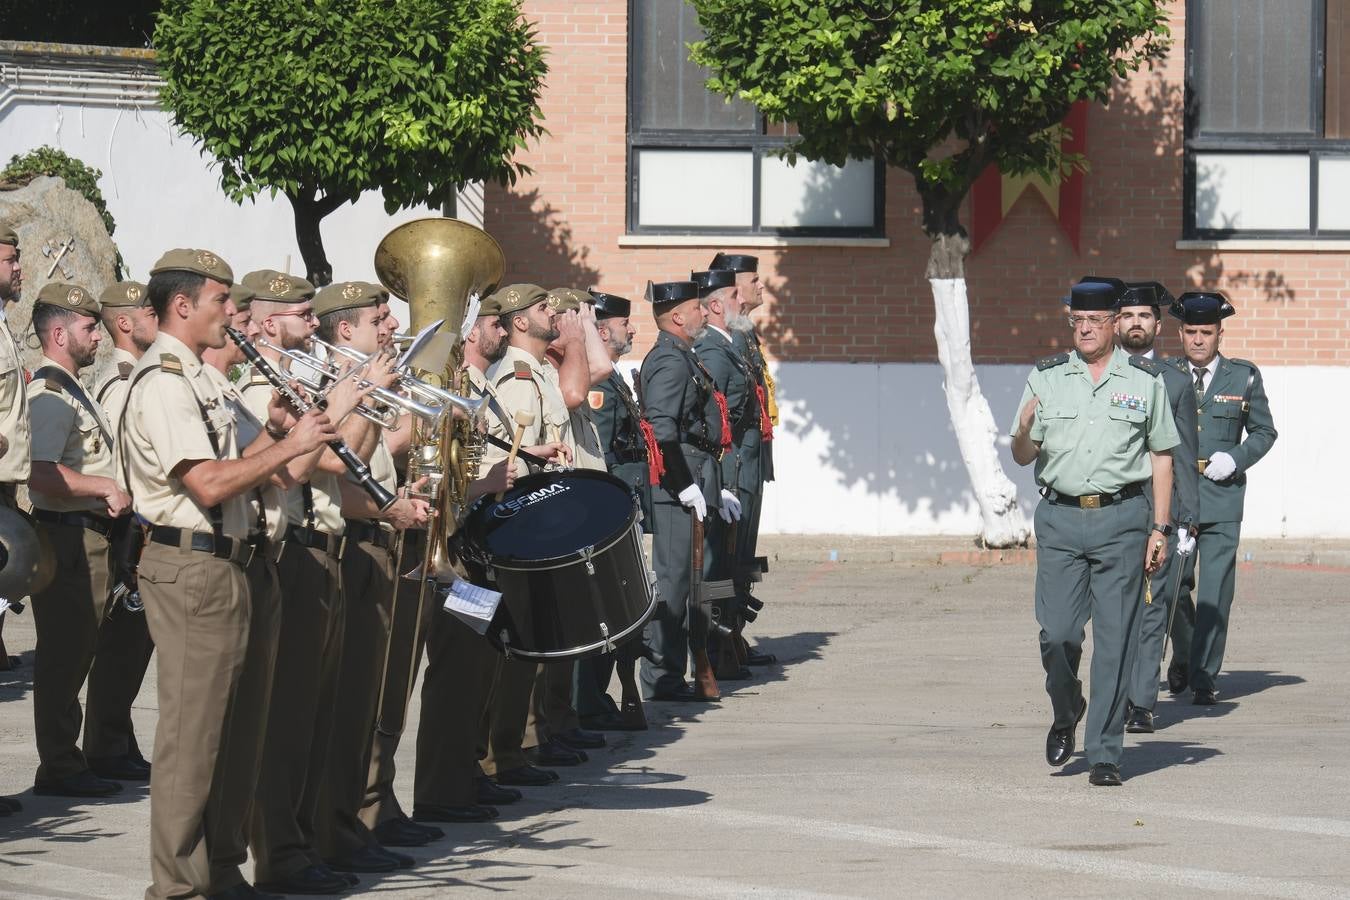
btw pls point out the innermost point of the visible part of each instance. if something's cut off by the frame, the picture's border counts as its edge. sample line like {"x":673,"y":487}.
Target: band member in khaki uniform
{"x":179,"y":458}
{"x":13,"y":412}
{"x":350,"y":316}
{"x":309,"y":657}
{"x":124,"y":645}
{"x":75,"y":499}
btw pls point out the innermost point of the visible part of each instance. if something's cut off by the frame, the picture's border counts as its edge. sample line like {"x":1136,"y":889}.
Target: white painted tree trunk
{"x":976,"y":433}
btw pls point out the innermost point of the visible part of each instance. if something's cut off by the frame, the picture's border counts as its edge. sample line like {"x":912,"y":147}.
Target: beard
{"x":740,"y":322}
{"x":495,"y":352}
{"x":620,"y":345}
{"x":84,"y":355}
{"x":1136,"y":341}
{"x":697,"y":333}
{"x":544,"y":334}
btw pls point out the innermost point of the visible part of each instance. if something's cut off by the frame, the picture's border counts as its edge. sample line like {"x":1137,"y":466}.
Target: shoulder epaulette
{"x":1242,"y":362}
{"x":1049,"y":362}
{"x":523,"y":371}
{"x":170,"y":363}
{"x":52,"y":384}
{"x":124,"y":370}
{"x":1146,"y":364}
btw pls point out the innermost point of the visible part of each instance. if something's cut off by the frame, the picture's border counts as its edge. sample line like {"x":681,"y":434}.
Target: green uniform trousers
{"x":67,"y":615}
{"x":1200,"y":629}
{"x":300,"y":719}
{"x":120,"y":662}
{"x":241,"y":746}
{"x":507,"y":713}
{"x":1090,"y":565}
{"x":197,"y":608}
{"x":455,"y":687}
{"x":1152,"y":626}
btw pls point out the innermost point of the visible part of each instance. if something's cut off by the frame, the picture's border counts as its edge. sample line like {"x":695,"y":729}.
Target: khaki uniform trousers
{"x":197,"y":609}
{"x":300,"y":718}
{"x":367,"y":586}
{"x":242,"y":745}
{"x":67,"y":614}
{"x":458,"y":680}
{"x":120,"y":662}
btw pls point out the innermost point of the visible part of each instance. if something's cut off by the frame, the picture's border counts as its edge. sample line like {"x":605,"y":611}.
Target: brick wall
{"x":563,"y":225}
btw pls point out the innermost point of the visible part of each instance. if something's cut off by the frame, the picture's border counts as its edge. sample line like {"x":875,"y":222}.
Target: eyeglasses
{"x":306,"y":314}
{"x":1094,"y":321}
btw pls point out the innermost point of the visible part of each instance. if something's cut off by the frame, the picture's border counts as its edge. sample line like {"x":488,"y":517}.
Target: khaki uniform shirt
{"x":164,"y":428}
{"x":110,"y":387}
{"x":66,"y":433}
{"x":14,"y":432}
{"x":1095,"y":437}
{"x":524,"y":383}
{"x":272,"y":497}
{"x":580,"y":434}
{"x":325,"y":487}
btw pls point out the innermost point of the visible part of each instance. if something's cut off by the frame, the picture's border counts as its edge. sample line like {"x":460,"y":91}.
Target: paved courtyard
{"x":896,"y":751}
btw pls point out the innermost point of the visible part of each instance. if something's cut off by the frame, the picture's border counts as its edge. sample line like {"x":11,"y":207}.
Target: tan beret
{"x":123,"y":293}
{"x":8,"y":235}
{"x":70,"y":297}
{"x":342,"y":295}
{"x":241,"y":296}
{"x":198,"y":262}
{"x":278,"y":287}
{"x":513,"y":298}
{"x":565,"y":299}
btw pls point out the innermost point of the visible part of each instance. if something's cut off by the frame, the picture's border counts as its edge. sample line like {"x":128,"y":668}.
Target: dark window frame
{"x":759,"y":142}
{"x":1313,"y":145}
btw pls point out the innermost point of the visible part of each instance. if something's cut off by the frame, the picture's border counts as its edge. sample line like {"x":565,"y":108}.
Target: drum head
{"x":552,"y":516}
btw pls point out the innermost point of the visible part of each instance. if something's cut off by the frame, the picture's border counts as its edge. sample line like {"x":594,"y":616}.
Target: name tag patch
{"x":1129,"y":401}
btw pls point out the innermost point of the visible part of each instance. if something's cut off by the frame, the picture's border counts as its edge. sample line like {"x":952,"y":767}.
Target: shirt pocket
{"x":91,"y":437}
{"x":1128,"y":427}
{"x":1227,"y":419}
{"x":1057,"y":424}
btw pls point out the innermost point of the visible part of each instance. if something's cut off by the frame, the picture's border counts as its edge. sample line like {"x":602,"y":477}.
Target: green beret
{"x":241,"y":296}
{"x":342,"y":295}
{"x":70,"y":297}
{"x":8,"y":235}
{"x":269,"y":284}
{"x":565,"y":299}
{"x":198,"y":262}
{"x":514,"y":297}
{"x":123,"y":293}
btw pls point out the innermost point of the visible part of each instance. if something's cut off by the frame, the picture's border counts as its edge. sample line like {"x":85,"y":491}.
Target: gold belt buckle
{"x":1091,"y":501}
{"x":1201,"y":464}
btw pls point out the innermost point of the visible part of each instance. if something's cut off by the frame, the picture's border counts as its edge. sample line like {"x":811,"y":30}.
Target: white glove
{"x":731,"y":507}
{"x":692,"y":498}
{"x":1185,"y":541}
{"x":1221,"y":465}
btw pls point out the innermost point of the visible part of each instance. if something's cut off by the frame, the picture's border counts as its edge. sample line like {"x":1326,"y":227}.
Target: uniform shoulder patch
{"x":124,"y":370}
{"x":523,"y":371}
{"x":170,"y":363}
{"x":1146,"y":364}
{"x":596,"y":399}
{"x":1049,"y":362}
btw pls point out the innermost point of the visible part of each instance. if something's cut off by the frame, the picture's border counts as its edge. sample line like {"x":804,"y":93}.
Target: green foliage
{"x":78,"y":177}
{"x":329,"y":98}
{"x":940,"y":88}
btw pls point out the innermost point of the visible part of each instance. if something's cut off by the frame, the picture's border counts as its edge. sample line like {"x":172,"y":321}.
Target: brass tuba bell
{"x":21,"y":556}
{"x":437,"y":265}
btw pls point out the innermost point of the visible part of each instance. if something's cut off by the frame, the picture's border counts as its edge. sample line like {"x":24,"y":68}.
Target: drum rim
{"x":592,"y":647}
{"x":576,"y":557}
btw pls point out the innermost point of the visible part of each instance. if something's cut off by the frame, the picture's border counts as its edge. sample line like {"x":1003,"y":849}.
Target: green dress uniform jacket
{"x":617,"y":417}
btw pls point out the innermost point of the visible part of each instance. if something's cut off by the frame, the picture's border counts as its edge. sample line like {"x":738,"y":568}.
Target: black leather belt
{"x":315,"y":540}
{"x":701,"y":443}
{"x":361,"y":530}
{"x":96,"y":523}
{"x":221,"y":547}
{"x":1093,"y":501}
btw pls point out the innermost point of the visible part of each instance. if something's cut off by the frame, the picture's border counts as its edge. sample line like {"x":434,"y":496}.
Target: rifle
{"x":701,"y":618}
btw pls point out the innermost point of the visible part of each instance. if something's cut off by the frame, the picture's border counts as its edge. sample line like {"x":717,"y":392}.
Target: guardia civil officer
{"x":124,"y":646}
{"x":1098,"y":426}
{"x":13,"y":416}
{"x":1138,"y":323}
{"x":181,"y":461}
{"x":680,"y":401}
{"x":75,"y":501}
{"x":1235,"y":430}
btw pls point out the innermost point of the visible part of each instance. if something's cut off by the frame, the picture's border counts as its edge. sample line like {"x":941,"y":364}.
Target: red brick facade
{"x":564,"y":224}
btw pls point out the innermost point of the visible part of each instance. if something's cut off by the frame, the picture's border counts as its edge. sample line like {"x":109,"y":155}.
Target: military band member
{"x":679,"y":400}
{"x":1235,"y":430}
{"x":179,"y":458}
{"x":1098,"y":425}
{"x":13,"y":413}
{"x":1138,"y":322}
{"x":124,"y":645}
{"x":75,"y":500}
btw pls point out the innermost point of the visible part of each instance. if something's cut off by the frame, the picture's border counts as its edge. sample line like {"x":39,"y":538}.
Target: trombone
{"x":418,"y":390}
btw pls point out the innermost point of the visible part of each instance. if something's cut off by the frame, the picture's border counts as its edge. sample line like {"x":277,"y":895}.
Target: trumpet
{"x":416,"y":389}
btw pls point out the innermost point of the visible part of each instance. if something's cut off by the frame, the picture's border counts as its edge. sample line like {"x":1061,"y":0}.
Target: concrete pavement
{"x":897,"y":751}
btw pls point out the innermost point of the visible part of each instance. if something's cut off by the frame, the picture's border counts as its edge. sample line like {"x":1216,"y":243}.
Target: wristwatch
{"x":1164,"y":530}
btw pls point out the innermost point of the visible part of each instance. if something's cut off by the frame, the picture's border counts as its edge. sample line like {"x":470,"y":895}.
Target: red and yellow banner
{"x":993,"y":194}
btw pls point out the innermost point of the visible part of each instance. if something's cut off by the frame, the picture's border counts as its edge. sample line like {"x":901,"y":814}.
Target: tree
{"x":321,"y":100}
{"x":941,"y":89}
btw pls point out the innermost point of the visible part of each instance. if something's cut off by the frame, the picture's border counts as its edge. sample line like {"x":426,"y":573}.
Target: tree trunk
{"x":1003,"y":524}
{"x":308,"y":214}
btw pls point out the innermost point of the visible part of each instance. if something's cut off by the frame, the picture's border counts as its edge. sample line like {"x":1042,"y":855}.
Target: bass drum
{"x":565,"y":550}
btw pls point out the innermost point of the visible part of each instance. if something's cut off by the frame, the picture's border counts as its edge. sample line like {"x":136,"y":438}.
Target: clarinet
{"x":360,"y":471}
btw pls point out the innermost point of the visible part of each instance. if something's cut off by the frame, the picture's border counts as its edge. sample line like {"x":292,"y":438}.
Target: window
{"x":698,"y":164}
{"x":1267,"y":118}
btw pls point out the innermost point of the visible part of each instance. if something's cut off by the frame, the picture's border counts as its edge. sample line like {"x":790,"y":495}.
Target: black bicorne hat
{"x":610,"y":306}
{"x":669,"y":293}
{"x":712,"y":280}
{"x":1146,"y":293}
{"x":1202,"y":308}
{"x":735,"y":262}
{"x":1095,"y":293}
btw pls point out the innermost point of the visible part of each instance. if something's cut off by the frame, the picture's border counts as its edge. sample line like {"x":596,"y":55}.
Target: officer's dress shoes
{"x":403,"y":833}
{"x":555,"y":753}
{"x":85,"y":784}
{"x":526,"y":776}
{"x":314,"y":880}
{"x":368,"y":859}
{"x":683,"y":693}
{"x":1177,"y":677}
{"x":1105,"y":775}
{"x":1059,"y":743}
{"x":435,"y":812}
{"x":1205,"y":697}
{"x":9,"y":806}
{"x":581,"y":739}
{"x":1140,"y":721}
{"x":121,"y":768}
{"x":492,"y":794}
